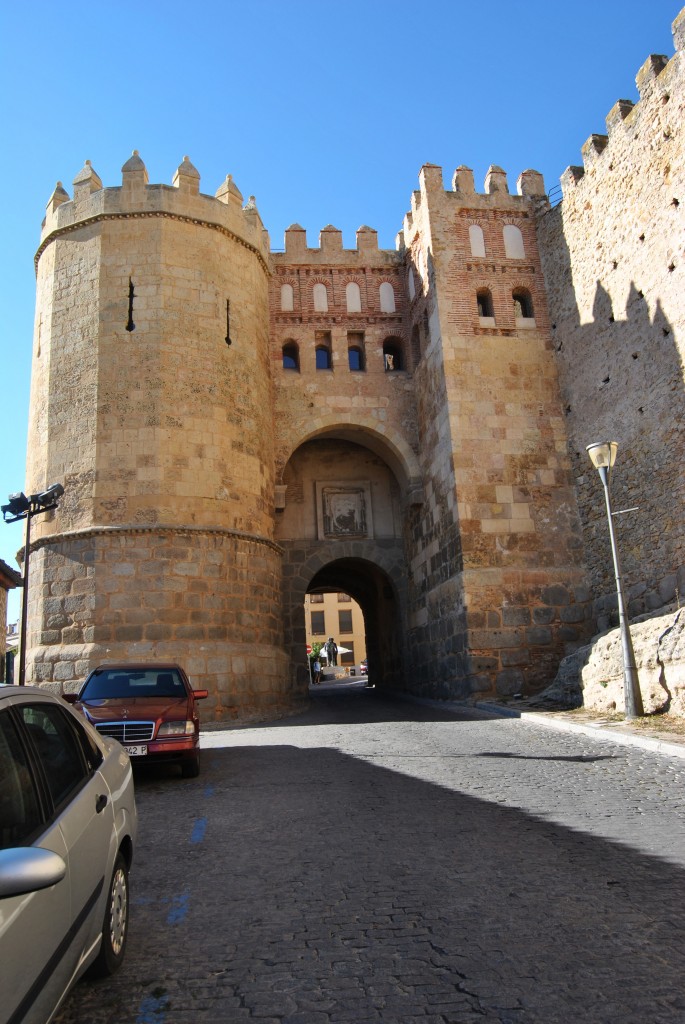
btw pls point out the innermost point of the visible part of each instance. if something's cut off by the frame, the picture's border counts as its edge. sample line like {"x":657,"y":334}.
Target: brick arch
{"x":388,"y":445}
{"x":358,"y":279}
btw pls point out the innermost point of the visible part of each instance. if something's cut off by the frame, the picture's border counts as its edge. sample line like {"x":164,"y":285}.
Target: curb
{"x":656,"y":746}
{"x":624,"y":739}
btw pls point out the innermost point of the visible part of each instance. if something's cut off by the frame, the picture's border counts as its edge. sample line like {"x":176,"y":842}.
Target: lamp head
{"x":48,"y":496}
{"x":17,"y":506}
{"x":602,"y":454}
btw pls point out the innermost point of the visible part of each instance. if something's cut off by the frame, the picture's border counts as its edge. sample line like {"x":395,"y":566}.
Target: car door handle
{"x":100,"y":803}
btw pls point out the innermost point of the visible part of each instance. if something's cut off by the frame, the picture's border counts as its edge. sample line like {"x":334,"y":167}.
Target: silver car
{"x":67,"y":831}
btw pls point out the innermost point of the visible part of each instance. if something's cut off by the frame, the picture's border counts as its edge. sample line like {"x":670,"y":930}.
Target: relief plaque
{"x":343,"y":509}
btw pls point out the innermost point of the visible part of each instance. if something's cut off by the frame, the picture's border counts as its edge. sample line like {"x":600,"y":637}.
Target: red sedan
{"x":149,"y":708}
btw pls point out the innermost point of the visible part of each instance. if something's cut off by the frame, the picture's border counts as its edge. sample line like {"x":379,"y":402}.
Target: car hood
{"x":134,"y":708}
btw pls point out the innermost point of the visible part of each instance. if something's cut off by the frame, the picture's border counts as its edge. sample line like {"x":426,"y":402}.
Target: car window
{"x":20,"y":815}
{"x":113,"y":684}
{"x":58,"y":747}
{"x":92,"y":752}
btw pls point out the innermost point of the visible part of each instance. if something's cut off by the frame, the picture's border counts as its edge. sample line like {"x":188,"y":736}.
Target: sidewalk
{"x":663,"y":734}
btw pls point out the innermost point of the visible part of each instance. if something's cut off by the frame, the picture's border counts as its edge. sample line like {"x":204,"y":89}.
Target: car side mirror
{"x":70,"y":698}
{"x":200,"y":694}
{"x":27,"y":869}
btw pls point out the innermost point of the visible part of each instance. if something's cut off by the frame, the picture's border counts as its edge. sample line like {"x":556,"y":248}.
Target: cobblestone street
{"x":375,"y":860}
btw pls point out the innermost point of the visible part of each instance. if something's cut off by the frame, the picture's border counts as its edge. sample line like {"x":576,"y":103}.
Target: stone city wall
{"x":613,"y":256}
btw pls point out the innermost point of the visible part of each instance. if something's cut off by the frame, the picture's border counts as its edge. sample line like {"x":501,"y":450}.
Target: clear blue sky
{"x":324,"y":111}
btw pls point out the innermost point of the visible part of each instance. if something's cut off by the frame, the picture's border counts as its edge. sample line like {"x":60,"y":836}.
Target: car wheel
{"x":191,"y":769}
{"x":115,"y":924}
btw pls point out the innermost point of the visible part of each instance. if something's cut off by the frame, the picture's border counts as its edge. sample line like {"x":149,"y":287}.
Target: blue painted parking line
{"x":199,"y":829}
{"x":179,"y":908}
{"x":152,"y":1010}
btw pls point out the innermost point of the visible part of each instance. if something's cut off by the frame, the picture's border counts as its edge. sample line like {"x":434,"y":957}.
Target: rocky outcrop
{"x":592,"y":676}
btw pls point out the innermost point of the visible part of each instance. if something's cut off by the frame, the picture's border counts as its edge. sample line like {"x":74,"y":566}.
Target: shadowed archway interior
{"x":373,"y":590}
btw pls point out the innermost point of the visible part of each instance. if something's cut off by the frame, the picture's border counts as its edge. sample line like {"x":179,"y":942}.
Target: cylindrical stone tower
{"x":151,"y":403}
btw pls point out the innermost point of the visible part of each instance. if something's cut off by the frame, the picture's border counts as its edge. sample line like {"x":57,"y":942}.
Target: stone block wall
{"x":497,"y":589}
{"x":208,"y":599}
{"x":613,"y":256}
{"x":151,"y":403}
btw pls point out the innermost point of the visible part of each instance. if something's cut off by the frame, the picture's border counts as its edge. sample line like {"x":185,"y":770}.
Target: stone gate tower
{"x":151,"y":403}
{"x":237,"y":428}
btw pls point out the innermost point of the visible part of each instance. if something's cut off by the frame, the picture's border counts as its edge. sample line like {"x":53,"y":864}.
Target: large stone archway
{"x":371,"y":573}
{"x":364,"y":557}
{"x":385,"y":442}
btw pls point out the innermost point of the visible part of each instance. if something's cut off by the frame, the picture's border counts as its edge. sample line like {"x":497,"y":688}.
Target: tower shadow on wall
{"x":621,"y":378}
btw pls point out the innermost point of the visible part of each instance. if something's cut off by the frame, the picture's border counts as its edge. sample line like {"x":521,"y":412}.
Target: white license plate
{"x":136,"y":751}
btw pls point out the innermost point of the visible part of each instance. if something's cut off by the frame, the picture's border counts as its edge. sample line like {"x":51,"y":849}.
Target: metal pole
{"x":631,"y":684}
{"x":25,"y":603}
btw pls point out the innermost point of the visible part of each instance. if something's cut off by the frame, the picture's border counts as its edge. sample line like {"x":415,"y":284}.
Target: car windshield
{"x":112,"y":683}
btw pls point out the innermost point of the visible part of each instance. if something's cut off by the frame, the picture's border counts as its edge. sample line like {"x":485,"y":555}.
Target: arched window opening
{"x":287,"y":298}
{"x":291,"y":356}
{"x":323,"y":350}
{"x":523,"y":304}
{"x":484,"y":301}
{"x":320,"y":293}
{"x":477,"y":240}
{"x":353,"y":297}
{"x":387,"y":297}
{"x":513,"y":242}
{"x":392,"y":355}
{"x":355,"y":351}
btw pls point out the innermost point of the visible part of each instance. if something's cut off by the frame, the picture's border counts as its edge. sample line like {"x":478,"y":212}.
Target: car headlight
{"x":176,"y":729}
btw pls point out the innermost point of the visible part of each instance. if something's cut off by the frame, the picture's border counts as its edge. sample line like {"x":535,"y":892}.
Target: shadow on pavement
{"x":322,"y":887}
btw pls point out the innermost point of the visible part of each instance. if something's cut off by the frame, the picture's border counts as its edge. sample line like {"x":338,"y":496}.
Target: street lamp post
{"x":20,"y":507}
{"x":603,"y":456}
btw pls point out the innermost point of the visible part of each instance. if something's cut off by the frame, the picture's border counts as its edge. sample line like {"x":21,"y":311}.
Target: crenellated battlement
{"x":654,"y":83}
{"x":236,"y":427}
{"x":136,"y":197}
{"x":530,"y":185}
{"x":330,"y":248}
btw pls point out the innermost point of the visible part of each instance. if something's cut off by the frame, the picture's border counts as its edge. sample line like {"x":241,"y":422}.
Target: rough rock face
{"x":592,"y":676}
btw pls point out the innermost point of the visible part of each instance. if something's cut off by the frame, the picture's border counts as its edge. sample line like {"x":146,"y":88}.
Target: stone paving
{"x":372,"y":860}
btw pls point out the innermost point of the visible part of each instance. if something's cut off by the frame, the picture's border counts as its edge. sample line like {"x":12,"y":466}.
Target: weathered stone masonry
{"x":613,"y":255}
{"x":235,"y":427}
